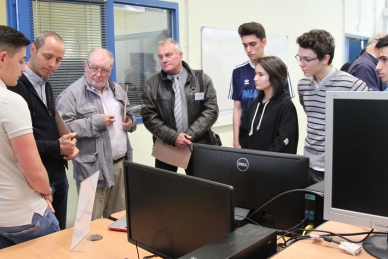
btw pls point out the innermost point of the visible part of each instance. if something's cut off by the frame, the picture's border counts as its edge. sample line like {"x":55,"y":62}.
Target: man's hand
{"x":67,"y":144}
{"x":127,"y":125}
{"x":49,"y":200}
{"x":183,"y":140}
{"x":108,"y":119}
{"x":72,"y":156}
{"x":236,"y":144}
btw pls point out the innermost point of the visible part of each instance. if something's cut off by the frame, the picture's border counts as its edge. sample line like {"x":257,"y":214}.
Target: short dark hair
{"x":252,"y":28}
{"x":382,"y":42}
{"x":11,"y":40}
{"x":277,"y":72}
{"x":40,"y":40}
{"x":320,"y":41}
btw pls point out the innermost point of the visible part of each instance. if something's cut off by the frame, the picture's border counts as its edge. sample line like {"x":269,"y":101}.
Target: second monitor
{"x":256,"y":176}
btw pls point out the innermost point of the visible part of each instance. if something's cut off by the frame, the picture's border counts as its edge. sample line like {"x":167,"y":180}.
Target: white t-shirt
{"x":18,"y":201}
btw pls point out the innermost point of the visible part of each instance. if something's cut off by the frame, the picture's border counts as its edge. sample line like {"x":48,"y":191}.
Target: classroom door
{"x":353,"y":47}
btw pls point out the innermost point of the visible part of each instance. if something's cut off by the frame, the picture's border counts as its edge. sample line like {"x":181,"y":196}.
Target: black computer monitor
{"x":171,"y":214}
{"x":356,"y":165}
{"x":256,"y":176}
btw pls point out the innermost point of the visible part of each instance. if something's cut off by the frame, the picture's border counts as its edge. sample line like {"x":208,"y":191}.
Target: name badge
{"x":199,"y":96}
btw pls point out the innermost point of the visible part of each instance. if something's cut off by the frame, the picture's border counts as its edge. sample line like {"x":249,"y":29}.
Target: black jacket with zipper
{"x":44,"y":126}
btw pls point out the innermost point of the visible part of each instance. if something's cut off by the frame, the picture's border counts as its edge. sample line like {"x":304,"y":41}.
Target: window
{"x":137,"y":33}
{"x":130,"y":29}
{"x":71,"y":20}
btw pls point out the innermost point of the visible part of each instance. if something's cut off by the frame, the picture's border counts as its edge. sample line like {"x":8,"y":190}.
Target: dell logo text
{"x":242,"y":164}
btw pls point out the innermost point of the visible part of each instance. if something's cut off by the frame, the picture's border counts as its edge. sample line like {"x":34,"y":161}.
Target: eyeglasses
{"x":304,"y":60}
{"x":103,"y":71}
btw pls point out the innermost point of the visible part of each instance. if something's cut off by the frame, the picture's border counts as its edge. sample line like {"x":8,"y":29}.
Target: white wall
{"x":3,"y":13}
{"x":363,"y":17}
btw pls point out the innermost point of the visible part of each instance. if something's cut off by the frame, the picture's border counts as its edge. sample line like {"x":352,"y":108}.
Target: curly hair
{"x":320,"y":41}
{"x":252,"y":28}
{"x":277,"y":72}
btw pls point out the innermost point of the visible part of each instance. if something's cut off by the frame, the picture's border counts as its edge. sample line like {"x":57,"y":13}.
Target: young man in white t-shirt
{"x":25,"y":194}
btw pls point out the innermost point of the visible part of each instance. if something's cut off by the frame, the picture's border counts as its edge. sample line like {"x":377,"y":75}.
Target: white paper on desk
{"x":87,"y":193}
{"x":171,"y":155}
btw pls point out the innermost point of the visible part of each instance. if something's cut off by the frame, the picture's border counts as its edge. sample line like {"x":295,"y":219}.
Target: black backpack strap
{"x":198,"y":74}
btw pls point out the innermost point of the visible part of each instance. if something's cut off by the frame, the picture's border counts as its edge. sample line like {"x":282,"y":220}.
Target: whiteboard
{"x":222,"y":51}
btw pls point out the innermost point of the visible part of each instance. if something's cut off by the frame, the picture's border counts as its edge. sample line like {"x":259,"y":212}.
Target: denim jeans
{"x":40,"y":226}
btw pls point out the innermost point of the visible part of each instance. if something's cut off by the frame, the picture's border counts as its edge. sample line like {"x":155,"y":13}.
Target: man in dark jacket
{"x":176,"y":110}
{"x":364,"y":67}
{"x":47,"y":52}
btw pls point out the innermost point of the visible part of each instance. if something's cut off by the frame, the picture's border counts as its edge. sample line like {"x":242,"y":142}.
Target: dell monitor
{"x":356,"y":163}
{"x":171,"y":214}
{"x":256,"y":176}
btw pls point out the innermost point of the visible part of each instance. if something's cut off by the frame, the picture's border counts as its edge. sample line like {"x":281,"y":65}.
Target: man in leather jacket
{"x":199,"y":109}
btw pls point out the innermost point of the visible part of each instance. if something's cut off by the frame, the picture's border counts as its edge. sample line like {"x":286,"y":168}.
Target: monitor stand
{"x":377,"y":246}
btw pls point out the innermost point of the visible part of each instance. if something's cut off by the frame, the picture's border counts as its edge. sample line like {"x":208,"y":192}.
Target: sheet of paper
{"x":171,"y":155}
{"x":87,"y":193}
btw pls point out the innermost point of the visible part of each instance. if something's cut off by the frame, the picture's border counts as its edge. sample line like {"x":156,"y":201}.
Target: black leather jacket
{"x":158,"y":112}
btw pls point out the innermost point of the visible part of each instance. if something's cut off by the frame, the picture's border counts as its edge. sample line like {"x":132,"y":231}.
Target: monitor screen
{"x":171,"y":214}
{"x":256,"y":176}
{"x":356,"y":164}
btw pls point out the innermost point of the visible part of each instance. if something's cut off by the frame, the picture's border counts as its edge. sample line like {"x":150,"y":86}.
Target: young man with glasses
{"x":242,"y":86}
{"x":93,"y":106}
{"x":47,"y":53}
{"x":315,"y":55}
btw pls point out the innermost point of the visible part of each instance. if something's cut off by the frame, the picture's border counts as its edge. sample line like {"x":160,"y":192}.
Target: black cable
{"x":296,"y":226}
{"x":329,"y":239}
{"x":281,"y":194}
{"x":342,"y":235}
{"x":251,"y":220}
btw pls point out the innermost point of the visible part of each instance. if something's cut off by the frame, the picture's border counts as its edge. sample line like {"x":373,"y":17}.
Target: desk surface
{"x":119,"y":214}
{"x":57,"y":245}
{"x":310,"y":248}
